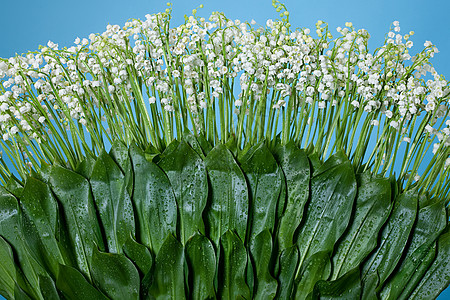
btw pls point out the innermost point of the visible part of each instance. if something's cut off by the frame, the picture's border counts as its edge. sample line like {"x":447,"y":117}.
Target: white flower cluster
{"x":185,"y":71}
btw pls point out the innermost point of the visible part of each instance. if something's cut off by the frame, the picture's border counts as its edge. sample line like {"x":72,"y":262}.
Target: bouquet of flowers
{"x":224,"y":159}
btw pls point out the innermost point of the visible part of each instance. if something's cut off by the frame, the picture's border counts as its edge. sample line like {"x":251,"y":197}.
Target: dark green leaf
{"x":74,"y":286}
{"x":333,"y":191}
{"x":201,"y":259}
{"x":346,"y":287}
{"x":189,"y":138}
{"x":316,"y":267}
{"x":85,"y":167}
{"x":168,"y":281}
{"x":8,"y":271}
{"x":437,"y":277}
{"x":112,"y":201}
{"x":14,"y":186}
{"x":154,"y":202}
{"x":13,"y":227}
{"x":431,"y":220}
{"x":393,"y":237}
{"x":139,"y":254}
{"x":48,"y":288}
{"x":373,"y":203}
{"x":74,"y":194}
{"x":187,"y":175}
{"x":39,"y":205}
{"x":264,"y":179}
{"x":229,"y":195}
{"x":232,"y":283}
{"x":115,"y":275}
{"x":296,"y":169}
{"x":119,"y":153}
{"x":288,"y":266}
{"x":261,"y":252}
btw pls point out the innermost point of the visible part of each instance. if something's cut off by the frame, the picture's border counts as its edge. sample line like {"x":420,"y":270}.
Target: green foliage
{"x":201,"y":223}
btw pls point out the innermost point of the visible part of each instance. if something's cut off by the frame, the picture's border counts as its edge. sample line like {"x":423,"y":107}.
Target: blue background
{"x":27,"y":24}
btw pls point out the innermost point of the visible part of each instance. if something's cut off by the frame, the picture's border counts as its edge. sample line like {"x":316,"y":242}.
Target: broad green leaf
{"x":85,"y":167}
{"x":296,"y":169}
{"x":139,"y":254}
{"x":437,"y":277}
{"x":288,"y":266}
{"x":168,"y":276}
{"x":48,"y":288}
{"x":154,"y":202}
{"x":39,"y":205}
{"x":369,"y":290}
{"x":204,"y":144}
{"x":393,"y":237}
{"x":113,"y":202}
{"x":189,"y":138}
{"x":8,"y":271}
{"x":431,"y":221}
{"x":373,"y":204}
{"x":261,"y":252}
{"x":201,"y":259}
{"x":228,"y":204}
{"x":20,"y":294}
{"x":232,"y":268}
{"x":119,"y":153}
{"x":74,"y":286}
{"x":316,"y":267}
{"x":425,"y":263}
{"x":14,"y":186}
{"x":13,"y":228}
{"x":346,"y":287}
{"x":187,"y":175}
{"x":333,"y":191}
{"x":74,"y":193}
{"x":264,"y":180}
{"x":115,"y":275}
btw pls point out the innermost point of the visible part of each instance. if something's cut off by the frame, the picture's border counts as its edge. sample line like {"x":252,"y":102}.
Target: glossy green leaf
{"x":139,"y":254}
{"x":419,"y":272}
{"x":201,"y":259}
{"x":119,"y":153}
{"x":189,"y":138}
{"x":115,"y":275}
{"x":393,"y":237}
{"x":261,"y":252}
{"x":431,"y":221}
{"x":39,"y":205}
{"x":437,"y":277}
{"x":228,"y":202}
{"x":288,"y":266}
{"x":296,"y":169}
{"x":48,"y":288}
{"x":74,"y":286}
{"x":373,"y":203}
{"x":346,"y":287}
{"x":232,"y":268}
{"x":187,"y":175}
{"x":264,"y":180}
{"x":316,"y":267}
{"x":86,"y":166}
{"x":13,"y":228}
{"x":112,"y":201}
{"x":168,"y":276}
{"x":8,"y":271}
{"x":333,"y":191}
{"x":74,"y":193}
{"x":14,"y":186}
{"x":154,"y":202}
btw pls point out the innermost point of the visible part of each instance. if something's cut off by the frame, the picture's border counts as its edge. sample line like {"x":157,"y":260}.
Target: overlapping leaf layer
{"x":199,"y":222}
